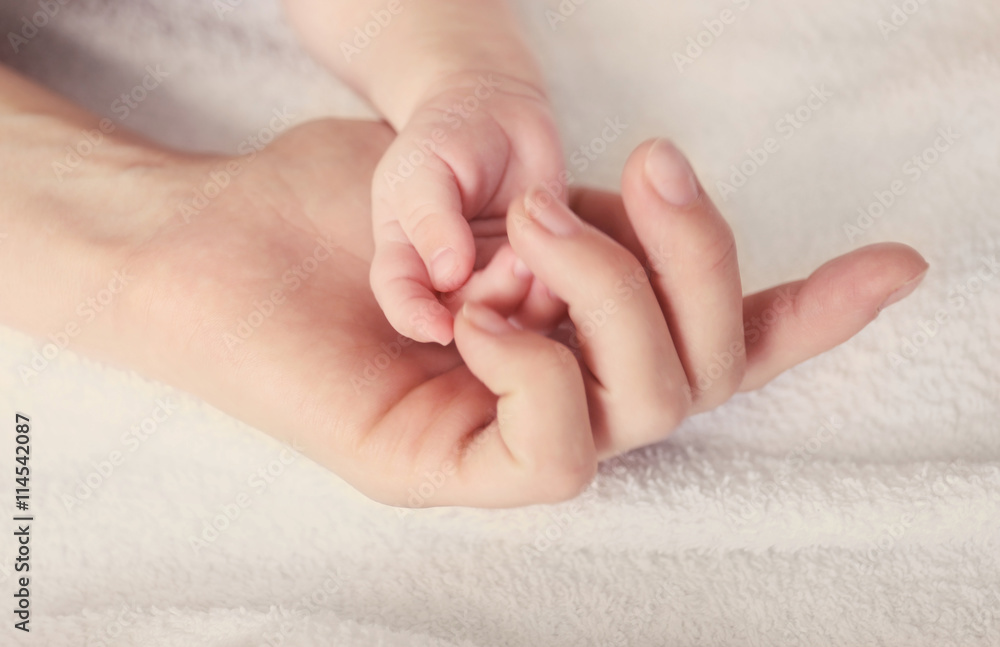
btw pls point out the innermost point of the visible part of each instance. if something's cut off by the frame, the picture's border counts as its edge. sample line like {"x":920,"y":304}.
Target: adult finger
{"x":639,"y":391}
{"x":788,"y":324}
{"x":540,"y":447}
{"x":691,"y":256}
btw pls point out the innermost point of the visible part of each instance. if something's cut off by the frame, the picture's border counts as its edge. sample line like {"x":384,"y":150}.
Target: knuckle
{"x":717,"y":249}
{"x":721,"y":256}
{"x":421,"y":221}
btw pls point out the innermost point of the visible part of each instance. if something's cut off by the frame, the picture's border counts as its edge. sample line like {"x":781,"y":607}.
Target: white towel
{"x":853,"y":501}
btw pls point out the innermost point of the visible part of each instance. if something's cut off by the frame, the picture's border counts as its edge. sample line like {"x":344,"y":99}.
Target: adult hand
{"x":257,"y":300}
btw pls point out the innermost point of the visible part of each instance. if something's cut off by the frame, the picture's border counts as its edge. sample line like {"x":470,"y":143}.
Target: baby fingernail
{"x":551,"y":214}
{"x":440,"y":336}
{"x":903,"y":291}
{"x":429,"y":325}
{"x":486,"y":318}
{"x":669,"y":172}
{"x":443,"y":266}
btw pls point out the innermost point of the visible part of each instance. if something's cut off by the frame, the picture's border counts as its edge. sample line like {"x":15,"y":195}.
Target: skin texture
{"x":502,"y":417}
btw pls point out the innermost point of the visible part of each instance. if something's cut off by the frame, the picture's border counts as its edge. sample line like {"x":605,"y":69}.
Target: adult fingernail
{"x":486,"y":319}
{"x":550,"y":213}
{"x":443,"y":266}
{"x":669,"y":172}
{"x":903,"y":291}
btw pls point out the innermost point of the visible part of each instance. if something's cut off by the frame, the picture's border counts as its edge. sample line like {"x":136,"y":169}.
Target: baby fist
{"x":440,"y":194}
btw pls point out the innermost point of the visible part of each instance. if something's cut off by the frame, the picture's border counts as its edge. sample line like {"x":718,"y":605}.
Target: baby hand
{"x":441,"y":192}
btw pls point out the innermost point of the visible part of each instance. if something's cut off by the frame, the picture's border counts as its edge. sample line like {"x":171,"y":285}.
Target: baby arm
{"x":418,"y":46}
